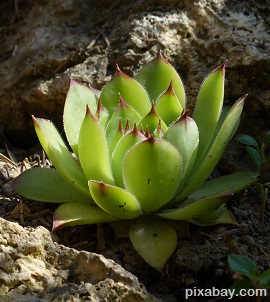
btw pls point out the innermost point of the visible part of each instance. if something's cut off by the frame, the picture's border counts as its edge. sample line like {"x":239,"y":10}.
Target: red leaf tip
{"x":170,"y":89}
{"x":122,"y":103}
{"x":89,"y":113}
{"x":151,"y":139}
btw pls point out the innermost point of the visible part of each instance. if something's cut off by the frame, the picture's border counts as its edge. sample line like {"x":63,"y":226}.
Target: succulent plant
{"x":138,"y":156}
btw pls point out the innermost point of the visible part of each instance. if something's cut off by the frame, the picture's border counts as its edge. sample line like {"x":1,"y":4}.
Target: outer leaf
{"x":243,"y":265}
{"x":59,"y":155}
{"x":78,"y":97}
{"x":115,"y":201}
{"x":93,"y":150}
{"x":184,"y":136}
{"x":216,"y":150}
{"x":151,"y":172}
{"x":234,"y":183}
{"x":47,"y":185}
{"x":193,"y":209}
{"x":154,"y":240}
{"x":125,"y":143}
{"x":168,"y":106}
{"x":70,"y":214}
{"x":156,"y":77}
{"x":125,"y":113}
{"x":208,"y":108}
{"x":219,"y":216}
{"x":247,"y":140}
{"x":131,"y":91}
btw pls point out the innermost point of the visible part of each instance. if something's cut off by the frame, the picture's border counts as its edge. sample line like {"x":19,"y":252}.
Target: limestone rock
{"x":34,"y":268}
{"x":44,"y":41}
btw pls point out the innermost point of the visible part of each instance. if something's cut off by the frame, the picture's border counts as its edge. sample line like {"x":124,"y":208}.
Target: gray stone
{"x":45,"y":41}
{"x":34,"y":268}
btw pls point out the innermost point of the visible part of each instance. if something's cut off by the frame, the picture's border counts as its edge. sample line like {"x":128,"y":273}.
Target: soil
{"x":200,"y":260}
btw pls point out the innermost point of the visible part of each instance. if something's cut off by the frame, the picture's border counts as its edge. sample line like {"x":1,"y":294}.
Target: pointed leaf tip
{"x":160,"y":56}
{"x":71,"y":81}
{"x":135,"y":131}
{"x":117,"y":69}
{"x":170,"y":88}
{"x":90,"y":114}
{"x":119,"y":72}
{"x":221,"y":68}
{"x":99,"y":108}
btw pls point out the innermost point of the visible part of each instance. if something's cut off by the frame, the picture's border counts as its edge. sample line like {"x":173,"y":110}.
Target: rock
{"x":44,"y":41}
{"x":34,"y":268}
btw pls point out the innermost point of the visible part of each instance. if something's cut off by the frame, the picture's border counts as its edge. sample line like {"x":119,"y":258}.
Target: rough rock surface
{"x":34,"y":268}
{"x":44,"y":41}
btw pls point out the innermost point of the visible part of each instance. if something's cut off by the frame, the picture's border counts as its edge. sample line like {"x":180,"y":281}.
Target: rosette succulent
{"x":136,"y":155}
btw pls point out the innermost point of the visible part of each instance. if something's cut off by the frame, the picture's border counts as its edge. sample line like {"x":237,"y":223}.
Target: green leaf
{"x":151,"y":172}
{"x":243,"y":265}
{"x":241,"y":284}
{"x":130,"y":90}
{"x":247,"y":140}
{"x":234,"y":183}
{"x":70,"y":214}
{"x":125,"y":143}
{"x":154,"y":240}
{"x":78,"y":97}
{"x":156,"y":77}
{"x":219,"y":216}
{"x":184,"y":136}
{"x":93,"y":151}
{"x":123,"y":113}
{"x":168,"y":106}
{"x":265,"y":279}
{"x":115,"y":201}
{"x":215,"y":152}
{"x":208,"y":108}
{"x":59,"y":154}
{"x":192,"y":209}
{"x":151,"y":121}
{"x":254,"y":155}
{"x":47,"y":185}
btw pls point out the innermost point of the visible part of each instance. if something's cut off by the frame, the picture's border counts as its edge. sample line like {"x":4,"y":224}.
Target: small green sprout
{"x":259,"y":154}
{"x":138,"y":156}
{"x":248,"y":268}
